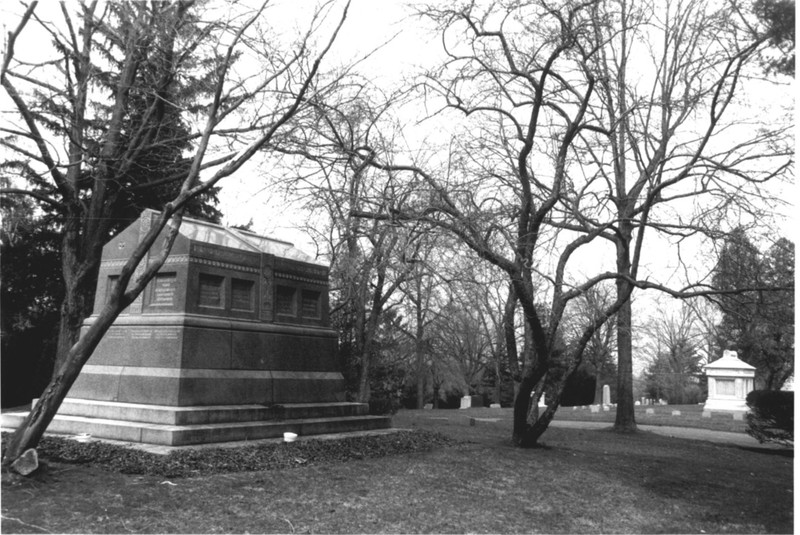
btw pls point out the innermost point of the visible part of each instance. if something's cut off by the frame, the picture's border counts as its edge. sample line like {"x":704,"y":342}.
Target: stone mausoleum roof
{"x":204,"y":232}
{"x":729,"y":360}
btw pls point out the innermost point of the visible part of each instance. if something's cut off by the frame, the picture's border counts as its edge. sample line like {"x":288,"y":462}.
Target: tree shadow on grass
{"x":782,"y":452}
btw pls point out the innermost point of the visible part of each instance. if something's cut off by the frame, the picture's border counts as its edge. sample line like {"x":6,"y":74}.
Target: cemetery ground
{"x":447,"y":476}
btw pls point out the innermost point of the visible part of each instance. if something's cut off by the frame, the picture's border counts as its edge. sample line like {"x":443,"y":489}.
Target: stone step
{"x":180,"y":435}
{"x":211,"y":414}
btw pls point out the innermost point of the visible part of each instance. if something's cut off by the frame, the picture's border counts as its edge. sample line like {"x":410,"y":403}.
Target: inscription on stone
{"x":210,"y":290}
{"x":140,"y":333}
{"x":166,"y":334}
{"x":115,"y":333}
{"x":242,"y":294}
{"x":310,"y":304}
{"x":164,"y":287}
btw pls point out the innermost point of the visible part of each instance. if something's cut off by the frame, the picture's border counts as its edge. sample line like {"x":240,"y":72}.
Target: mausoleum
{"x":230,"y":341}
{"x":729,"y":381}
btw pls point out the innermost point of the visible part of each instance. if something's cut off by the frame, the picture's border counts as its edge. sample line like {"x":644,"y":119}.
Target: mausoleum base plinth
{"x":181,"y":426}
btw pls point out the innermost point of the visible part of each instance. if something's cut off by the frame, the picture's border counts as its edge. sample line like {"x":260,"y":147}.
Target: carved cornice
{"x":293,"y":277}
{"x":225,"y":265}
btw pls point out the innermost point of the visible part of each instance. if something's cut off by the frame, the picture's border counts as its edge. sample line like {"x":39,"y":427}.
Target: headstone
{"x":595,"y":408}
{"x":676,"y":413}
{"x":466,"y":402}
{"x":738,"y":415}
{"x":638,"y":403}
{"x":495,"y":406}
{"x":472,"y":422}
{"x":606,"y":408}
{"x":606,"y":395}
{"x":650,"y":411}
{"x":428,"y":406}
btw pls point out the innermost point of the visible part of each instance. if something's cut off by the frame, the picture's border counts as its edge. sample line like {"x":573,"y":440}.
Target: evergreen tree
{"x":758,"y":317}
{"x":778,"y":18}
{"x":33,"y":282}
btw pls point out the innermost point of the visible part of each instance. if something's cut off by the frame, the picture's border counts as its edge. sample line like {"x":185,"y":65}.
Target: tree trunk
{"x":497,"y":383}
{"x":625,"y":418}
{"x":33,"y":427}
{"x":75,"y":307}
{"x":366,"y":352}
{"x":420,"y":374}
{"x":363,"y":381}
{"x":525,"y":433}
{"x":419,"y":349}
{"x":510,"y":335}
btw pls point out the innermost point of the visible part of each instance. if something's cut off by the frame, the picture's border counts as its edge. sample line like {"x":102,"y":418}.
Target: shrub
{"x":383,"y":403}
{"x":771,"y":416}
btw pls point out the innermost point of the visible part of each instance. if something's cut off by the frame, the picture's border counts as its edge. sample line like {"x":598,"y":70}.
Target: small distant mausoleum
{"x":729,"y":382}
{"x":230,"y":341}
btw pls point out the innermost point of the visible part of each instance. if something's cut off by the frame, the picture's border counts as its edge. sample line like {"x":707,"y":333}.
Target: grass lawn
{"x":580,"y":481}
{"x":690,"y":416}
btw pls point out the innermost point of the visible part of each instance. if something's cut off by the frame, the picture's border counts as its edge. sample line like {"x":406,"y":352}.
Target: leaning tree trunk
{"x":69,"y":366}
{"x":33,"y":427}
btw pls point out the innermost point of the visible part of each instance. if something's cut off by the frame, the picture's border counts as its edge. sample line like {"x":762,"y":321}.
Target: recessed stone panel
{"x":222,"y":390}
{"x":139,"y":345}
{"x":307,"y":388}
{"x":102,"y":384}
{"x":302,"y":353}
{"x":148,"y":386}
{"x":250,"y":351}
{"x":206,"y":348}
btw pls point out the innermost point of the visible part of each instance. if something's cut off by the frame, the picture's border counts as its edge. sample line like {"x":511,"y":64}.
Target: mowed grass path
{"x":581,"y":481}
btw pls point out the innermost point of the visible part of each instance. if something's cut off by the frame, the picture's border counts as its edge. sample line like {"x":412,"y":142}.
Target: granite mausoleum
{"x":230,"y":341}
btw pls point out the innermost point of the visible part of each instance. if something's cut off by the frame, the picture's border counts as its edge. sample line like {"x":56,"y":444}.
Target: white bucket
{"x":289,"y":437}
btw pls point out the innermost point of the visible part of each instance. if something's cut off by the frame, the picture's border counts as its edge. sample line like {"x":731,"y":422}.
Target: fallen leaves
{"x":196,"y":462}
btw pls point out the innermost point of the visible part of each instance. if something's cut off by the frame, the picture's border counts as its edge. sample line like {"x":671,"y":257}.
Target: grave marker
{"x":606,"y":395}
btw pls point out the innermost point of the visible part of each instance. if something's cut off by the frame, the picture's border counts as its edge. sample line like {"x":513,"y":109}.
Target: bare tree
{"x":674,"y":158}
{"x":370,"y":261}
{"x":80,"y":180}
{"x":600,"y":353}
{"x":562,"y":148}
{"x":521,"y":98}
{"x":674,"y":357}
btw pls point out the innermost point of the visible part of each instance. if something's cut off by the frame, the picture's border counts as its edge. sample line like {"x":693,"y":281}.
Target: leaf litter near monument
{"x":264,"y":456}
